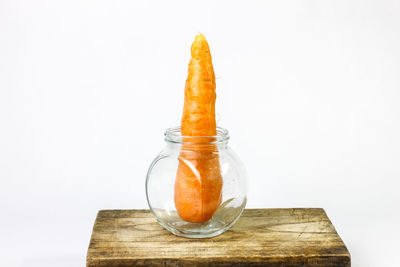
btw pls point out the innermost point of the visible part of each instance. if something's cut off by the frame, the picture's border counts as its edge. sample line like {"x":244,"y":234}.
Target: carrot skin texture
{"x":198,"y":183}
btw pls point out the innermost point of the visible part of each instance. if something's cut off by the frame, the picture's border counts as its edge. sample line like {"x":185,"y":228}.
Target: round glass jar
{"x":161,"y":183}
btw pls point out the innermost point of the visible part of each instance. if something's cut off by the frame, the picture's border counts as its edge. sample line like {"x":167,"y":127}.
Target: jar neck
{"x":174,"y":136}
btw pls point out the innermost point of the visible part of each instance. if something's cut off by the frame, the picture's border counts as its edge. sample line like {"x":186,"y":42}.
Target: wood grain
{"x":261,"y":237}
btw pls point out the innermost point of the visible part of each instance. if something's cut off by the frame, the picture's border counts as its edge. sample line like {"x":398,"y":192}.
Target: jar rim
{"x":174,"y":135}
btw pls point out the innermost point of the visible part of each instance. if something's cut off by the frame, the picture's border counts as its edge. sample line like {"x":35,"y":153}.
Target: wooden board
{"x":261,"y":237}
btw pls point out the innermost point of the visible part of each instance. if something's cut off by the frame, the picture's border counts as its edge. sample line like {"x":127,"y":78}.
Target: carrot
{"x":198,"y":181}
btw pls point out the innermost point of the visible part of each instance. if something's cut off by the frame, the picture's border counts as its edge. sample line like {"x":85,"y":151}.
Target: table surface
{"x":277,"y":237}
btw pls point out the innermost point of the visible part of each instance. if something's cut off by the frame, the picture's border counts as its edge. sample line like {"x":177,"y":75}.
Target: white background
{"x":309,"y":91}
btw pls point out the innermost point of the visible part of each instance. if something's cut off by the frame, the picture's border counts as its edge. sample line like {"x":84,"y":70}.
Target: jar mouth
{"x":174,"y":135}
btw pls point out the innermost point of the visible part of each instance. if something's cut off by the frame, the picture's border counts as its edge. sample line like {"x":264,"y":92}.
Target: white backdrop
{"x":309,"y":91}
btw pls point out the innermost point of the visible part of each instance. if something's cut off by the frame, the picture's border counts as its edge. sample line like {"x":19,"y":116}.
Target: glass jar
{"x":196,"y":186}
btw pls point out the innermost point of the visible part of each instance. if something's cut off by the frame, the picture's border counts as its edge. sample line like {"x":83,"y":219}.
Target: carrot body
{"x":198,"y":181}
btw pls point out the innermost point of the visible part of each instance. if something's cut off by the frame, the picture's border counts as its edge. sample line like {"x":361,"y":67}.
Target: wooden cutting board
{"x":261,"y":237}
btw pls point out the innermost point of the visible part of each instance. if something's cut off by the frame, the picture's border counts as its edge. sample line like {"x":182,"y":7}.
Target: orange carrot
{"x":198,"y":181}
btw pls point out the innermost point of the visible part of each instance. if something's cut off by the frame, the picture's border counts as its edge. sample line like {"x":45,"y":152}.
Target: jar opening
{"x":174,"y":135}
